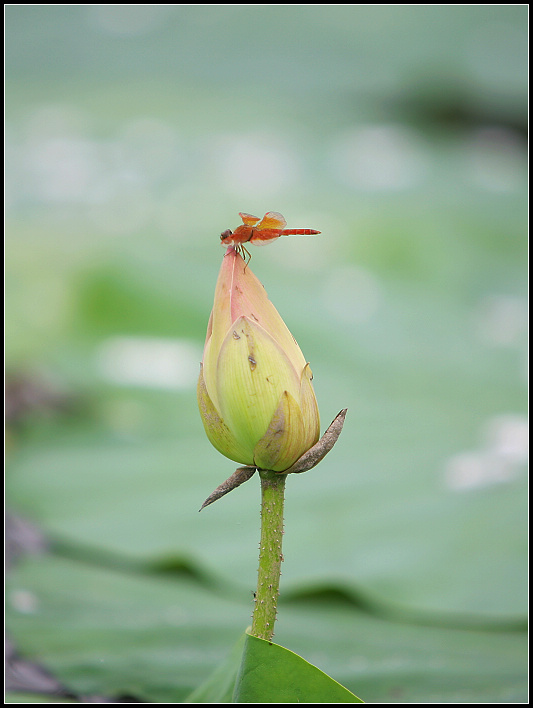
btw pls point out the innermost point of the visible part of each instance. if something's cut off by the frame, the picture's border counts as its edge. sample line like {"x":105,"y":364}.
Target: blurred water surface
{"x":134,"y":136}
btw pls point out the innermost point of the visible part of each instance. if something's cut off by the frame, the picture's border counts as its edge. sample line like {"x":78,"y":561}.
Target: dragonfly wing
{"x":262,"y":237}
{"x":248,"y":219}
{"x":272,"y":220}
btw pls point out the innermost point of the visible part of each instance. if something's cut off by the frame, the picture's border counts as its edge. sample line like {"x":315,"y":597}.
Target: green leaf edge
{"x":255,"y":663}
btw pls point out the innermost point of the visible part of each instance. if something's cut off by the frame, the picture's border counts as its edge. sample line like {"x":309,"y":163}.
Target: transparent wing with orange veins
{"x":268,"y":229}
{"x":248,"y":219}
{"x":272,"y":220}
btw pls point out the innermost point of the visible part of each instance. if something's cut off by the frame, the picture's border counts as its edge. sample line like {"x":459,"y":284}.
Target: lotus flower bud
{"x":255,"y":393}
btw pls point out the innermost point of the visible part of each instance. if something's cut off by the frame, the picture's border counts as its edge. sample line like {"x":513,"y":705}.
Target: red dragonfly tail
{"x":298,"y":232}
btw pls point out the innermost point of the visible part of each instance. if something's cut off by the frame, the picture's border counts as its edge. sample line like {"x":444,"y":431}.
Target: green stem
{"x":270,"y":555}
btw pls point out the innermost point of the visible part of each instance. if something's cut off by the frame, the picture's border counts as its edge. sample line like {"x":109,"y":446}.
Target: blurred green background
{"x":134,"y":136}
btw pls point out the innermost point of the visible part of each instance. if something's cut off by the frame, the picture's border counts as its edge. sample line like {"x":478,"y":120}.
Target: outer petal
{"x":248,"y":298}
{"x":284,"y":441}
{"x":309,"y":408}
{"x":217,"y":431}
{"x":252,"y":373}
{"x":209,"y":367}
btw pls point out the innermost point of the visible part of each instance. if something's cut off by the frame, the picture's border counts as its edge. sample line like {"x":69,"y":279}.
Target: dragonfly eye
{"x":225,"y":234}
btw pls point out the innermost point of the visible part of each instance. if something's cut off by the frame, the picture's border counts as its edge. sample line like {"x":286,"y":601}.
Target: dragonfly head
{"x":225,"y":234}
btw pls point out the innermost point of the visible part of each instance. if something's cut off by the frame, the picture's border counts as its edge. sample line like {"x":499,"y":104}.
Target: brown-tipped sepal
{"x":317,"y":453}
{"x":241,"y":475}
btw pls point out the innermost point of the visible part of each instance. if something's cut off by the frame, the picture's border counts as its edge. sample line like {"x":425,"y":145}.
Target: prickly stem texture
{"x":270,"y":554}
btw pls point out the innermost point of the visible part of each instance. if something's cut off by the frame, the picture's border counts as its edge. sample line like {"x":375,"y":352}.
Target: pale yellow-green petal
{"x":217,"y":431}
{"x":309,"y":408}
{"x":209,"y":368}
{"x":252,"y":373}
{"x":284,"y":440}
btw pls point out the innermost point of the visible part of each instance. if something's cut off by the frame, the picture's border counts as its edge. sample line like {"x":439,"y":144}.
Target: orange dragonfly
{"x":260,"y":232}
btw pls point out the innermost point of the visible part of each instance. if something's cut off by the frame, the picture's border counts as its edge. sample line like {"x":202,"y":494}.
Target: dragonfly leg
{"x":247,"y":252}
